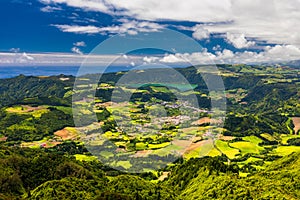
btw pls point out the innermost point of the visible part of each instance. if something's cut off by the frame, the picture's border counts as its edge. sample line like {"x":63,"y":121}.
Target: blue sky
{"x":41,"y":32}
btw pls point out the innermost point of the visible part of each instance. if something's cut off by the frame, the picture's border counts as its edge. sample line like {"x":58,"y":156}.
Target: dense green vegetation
{"x":26,"y":127}
{"x":252,"y":156}
{"x":209,"y":179}
{"x":37,"y":90}
{"x":34,"y":174}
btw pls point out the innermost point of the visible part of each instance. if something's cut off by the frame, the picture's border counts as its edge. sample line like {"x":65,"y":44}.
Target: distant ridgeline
{"x":253,"y":155}
{"x":36,"y":90}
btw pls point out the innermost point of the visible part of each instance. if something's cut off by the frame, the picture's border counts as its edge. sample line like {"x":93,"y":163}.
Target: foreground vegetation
{"x":35,"y":174}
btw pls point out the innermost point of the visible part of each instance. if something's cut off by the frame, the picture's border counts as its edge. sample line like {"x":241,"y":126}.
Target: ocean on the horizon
{"x":10,"y":71}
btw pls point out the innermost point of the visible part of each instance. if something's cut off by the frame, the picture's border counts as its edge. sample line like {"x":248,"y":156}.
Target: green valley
{"x":180,"y":150}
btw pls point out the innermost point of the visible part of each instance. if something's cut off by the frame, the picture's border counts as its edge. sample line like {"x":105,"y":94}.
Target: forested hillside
{"x":34,"y":174}
{"x":255,"y":155}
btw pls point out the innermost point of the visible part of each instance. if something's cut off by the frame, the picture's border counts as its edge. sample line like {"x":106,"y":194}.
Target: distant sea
{"x":9,"y":72}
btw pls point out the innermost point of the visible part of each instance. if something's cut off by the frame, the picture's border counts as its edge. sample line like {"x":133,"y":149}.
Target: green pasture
{"x":226,"y":149}
{"x":247,"y":147}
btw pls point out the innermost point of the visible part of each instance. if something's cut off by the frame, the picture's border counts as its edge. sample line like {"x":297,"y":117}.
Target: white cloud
{"x":275,"y":21}
{"x":173,"y":58}
{"x":80,"y":44}
{"x":64,"y":59}
{"x":200,"y":33}
{"x":26,"y":57}
{"x":50,"y":9}
{"x":76,"y":50}
{"x":278,"y":53}
{"x":270,"y":20}
{"x":217,"y":47}
{"x":19,"y":58}
{"x":92,"y":5}
{"x":150,"y":59}
{"x":78,"y":29}
{"x":239,"y":41}
{"x":190,"y":10}
{"x":132,"y":27}
{"x":129,"y":27}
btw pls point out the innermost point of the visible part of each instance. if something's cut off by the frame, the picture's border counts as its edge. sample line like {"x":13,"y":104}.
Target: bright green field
{"x":140,"y":146}
{"x":247,"y":147}
{"x":286,"y":150}
{"x":251,"y":159}
{"x":214,"y":152}
{"x":285,"y":138}
{"x":82,"y":157}
{"x":158,"y":146}
{"x":227,"y":150}
{"x":253,"y":139}
{"x":267,"y":136}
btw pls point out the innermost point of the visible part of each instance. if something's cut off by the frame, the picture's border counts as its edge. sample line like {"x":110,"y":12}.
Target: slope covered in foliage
{"x":208,"y":178}
{"x":33,"y":174}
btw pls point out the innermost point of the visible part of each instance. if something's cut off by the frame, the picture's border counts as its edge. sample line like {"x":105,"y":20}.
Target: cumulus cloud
{"x":275,"y":23}
{"x":173,"y":58}
{"x":200,"y":33}
{"x":76,"y":50}
{"x":92,"y":5}
{"x":191,"y":10}
{"x":278,"y":22}
{"x":278,"y":53}
{"x":127,"y":26}
{"x":150,"y":59}
{"x":238,"y":40}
